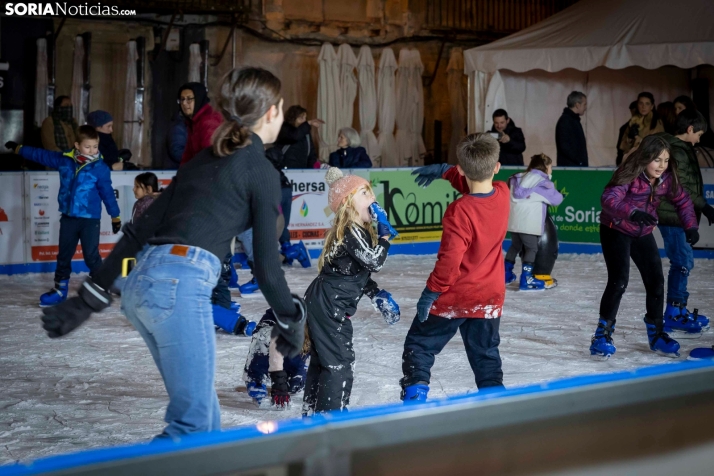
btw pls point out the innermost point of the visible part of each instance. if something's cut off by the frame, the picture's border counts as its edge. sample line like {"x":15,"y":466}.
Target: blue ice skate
{"x":510,"y":275}
{"x":298,"y":252}
{"x":602,"y":347}
{"x":660,"y":342}
{"x":233,"y":282}
{"x":250,"y":287}
{"x":415,"y":393}
{"x":256,"y":391}
{"x":701,"y":353}
{"x":678,"y":322}
{"x":675,"y":309}
{"x":286,"y":248}
{"x":55,"y":295}
{"x":528,"y":281}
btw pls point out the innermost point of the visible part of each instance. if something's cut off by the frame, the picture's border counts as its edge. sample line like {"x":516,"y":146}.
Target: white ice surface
{"x":100,"y":387}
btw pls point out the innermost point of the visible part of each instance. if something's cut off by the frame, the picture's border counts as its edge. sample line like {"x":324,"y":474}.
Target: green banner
{"x":416,"y":212}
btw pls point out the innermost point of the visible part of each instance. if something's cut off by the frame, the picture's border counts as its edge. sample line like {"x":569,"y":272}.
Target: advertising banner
{"x":12,"y":218}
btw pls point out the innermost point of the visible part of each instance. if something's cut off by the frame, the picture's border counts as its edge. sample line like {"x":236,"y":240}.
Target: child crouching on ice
{"x":465,"y":292}
{"x":352,"y":252}
{"x":531,"y":193}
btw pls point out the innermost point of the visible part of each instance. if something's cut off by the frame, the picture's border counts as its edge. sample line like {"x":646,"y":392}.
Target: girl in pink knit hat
{"x":352,"y":252}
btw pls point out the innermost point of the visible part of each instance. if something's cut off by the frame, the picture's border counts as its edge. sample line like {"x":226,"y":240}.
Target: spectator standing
{"x":295,"y":141}
{"x":646,"y":122}
{"x":178,"y":134}
{"x":621,"y":134}
{"x":201,"y":119}
{"x":58,"y":130}
{"x":350,"y":155}
{"x":569,"y":135}
{"x":510,"y":139}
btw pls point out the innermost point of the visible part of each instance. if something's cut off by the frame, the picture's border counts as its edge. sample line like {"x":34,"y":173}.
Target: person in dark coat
{"x":569,"y":135}
{"x":201,"y":119}
{"x":510,"y":138}
{"x":350,"y":155}
{"x":621,"y":134}
{"x":295,"y":141}
{"x":178,"y":135}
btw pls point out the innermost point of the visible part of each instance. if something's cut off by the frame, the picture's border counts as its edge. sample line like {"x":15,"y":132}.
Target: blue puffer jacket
{"x":81,"y":185}
{"x":350,"y":158}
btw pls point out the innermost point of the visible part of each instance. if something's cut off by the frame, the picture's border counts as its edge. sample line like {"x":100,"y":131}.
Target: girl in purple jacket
{"x":629,"y":214}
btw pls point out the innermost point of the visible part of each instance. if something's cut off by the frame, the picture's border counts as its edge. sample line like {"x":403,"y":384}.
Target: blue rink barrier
{"x":324,"y":444}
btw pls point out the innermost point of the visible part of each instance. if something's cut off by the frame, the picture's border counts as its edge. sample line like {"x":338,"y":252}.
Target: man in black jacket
{"x":569,"y":135}
{"x":510,"y":139}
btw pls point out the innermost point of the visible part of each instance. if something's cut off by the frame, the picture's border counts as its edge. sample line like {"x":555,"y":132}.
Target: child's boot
{"x":528,"y":281}
{"x":701,"y":353}
{"x":298,"y":252}
{"x":660,"y":342}
{"x":279,"y":391}
{"x":601,"y":346}
{"x":415,"y":393}
{"x":285,"y":249}
{"x":55,"y":295}
{"x":256,"y":391}
{"x":250,"y":287}
{"x":679,"y":323}
{"x":510,"y":275}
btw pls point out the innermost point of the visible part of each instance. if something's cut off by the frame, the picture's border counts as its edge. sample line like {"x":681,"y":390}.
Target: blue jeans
{"x":167,"y":297}
{"x":681,"y":262}
{"x":246,"y":239}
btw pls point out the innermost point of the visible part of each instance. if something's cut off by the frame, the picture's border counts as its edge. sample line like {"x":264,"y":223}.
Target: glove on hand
{"x":692,"y":236}
{"x":643,"y":218}
{"x":384,"y":228}
{"x":65,"y":317}
{"x":11,"y":145}
{"x":425,"y":302}
{"x":708,"y":211}
{"x":429,"y":173}
{"x":389,"y":308}
{"x":290,"y":330}
{"x":116,"y":225}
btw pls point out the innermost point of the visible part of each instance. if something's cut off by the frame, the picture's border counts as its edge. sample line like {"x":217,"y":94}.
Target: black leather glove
{"x":124,"y":155}
{"x":643,"y":218}
{"x":290,"y":330}
{"x":116,"y":226}
{"x":65,"y":317}
{"x":692,"y":236}
{"x":11,"y":145}
{"x":708,"y":211}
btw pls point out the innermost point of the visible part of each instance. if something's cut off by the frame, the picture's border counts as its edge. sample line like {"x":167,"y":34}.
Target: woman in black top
{"x":168,"y":294}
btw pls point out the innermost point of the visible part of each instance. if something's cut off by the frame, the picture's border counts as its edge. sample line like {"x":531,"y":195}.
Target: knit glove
{"x":116,"y":225}
{"x":643,"y":218}
{"x":384,"y":228}
{"x":65,"y":317}
{"x":279,"y":391}
{"x":425,"y":302}
{"x":11,"y":145}
{"x":708,"y":211}
{"x":429,"y":173}
{"x":290,"y":330}
{"x":692,"y":236}
{"x":389,"y":308}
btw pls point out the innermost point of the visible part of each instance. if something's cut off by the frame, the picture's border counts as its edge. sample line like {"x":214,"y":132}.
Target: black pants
{"x":618,"y":248}
{"x":75,"y":230}
{"x":332,"y":358}
{"x":426,"y":339}
{"x":520,"y":241}
{"x":286,"y":203}
{"x":221,"y":295}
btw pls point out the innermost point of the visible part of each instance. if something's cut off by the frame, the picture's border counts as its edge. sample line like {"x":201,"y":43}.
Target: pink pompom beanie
{"x":341,"y":186}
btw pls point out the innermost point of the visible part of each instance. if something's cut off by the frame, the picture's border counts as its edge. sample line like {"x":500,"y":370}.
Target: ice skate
{"x":660,"y":342}
{"x":55,"y":295}
{"x":602,"y":347}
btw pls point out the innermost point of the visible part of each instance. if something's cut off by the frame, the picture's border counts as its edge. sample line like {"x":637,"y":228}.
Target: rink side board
{"x":29,"y":215}
{"x":534,"y":428}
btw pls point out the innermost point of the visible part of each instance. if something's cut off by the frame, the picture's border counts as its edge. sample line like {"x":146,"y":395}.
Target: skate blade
{"x":705,"y":328}
{"x":665,"y":354}
{"x":600,"y":357}
{"x":531,"y":290}
{"x":676,"y":335}
{"x":550,"y":282}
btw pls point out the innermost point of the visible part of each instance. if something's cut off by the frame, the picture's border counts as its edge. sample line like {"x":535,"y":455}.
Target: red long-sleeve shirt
{"x":469,"y":269}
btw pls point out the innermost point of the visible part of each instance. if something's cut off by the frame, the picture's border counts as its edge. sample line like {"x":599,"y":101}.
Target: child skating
{"x":465,"y":292}
{"x":629,"y":214}
{"x":351,"y":253}
{"x":531,"y":193}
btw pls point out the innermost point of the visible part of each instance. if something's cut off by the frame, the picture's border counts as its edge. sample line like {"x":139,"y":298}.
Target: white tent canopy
{"x":609,"y":49}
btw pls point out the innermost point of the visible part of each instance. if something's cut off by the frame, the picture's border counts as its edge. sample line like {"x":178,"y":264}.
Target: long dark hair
{"x":650,"y":148}
{"x":655,"y":116}
{"x":293,"y":112}
{"x":245,"y":96}
{"x":685,"y":101}
{"x":148,"y":179}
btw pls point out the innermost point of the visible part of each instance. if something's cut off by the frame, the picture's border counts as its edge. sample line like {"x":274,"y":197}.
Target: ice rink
{"x":100,"y":387}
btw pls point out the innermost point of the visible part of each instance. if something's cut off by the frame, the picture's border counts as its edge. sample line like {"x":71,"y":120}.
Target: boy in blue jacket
{"x":84,"y":181}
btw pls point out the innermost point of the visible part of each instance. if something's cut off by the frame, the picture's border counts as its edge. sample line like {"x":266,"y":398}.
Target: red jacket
{"x":469,"y":268}
{"x":200,"y":130}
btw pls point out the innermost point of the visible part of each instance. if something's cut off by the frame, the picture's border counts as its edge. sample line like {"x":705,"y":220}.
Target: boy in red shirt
{"x":466,"y":290}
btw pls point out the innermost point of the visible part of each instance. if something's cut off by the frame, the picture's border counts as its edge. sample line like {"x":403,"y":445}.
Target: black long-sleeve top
{"x":210,"y":201}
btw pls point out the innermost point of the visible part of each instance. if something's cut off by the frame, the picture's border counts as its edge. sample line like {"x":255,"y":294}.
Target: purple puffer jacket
{"x":620,"y":201}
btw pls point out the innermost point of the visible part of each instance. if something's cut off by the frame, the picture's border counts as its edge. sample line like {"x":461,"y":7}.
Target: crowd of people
{"x":178,"y":290}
